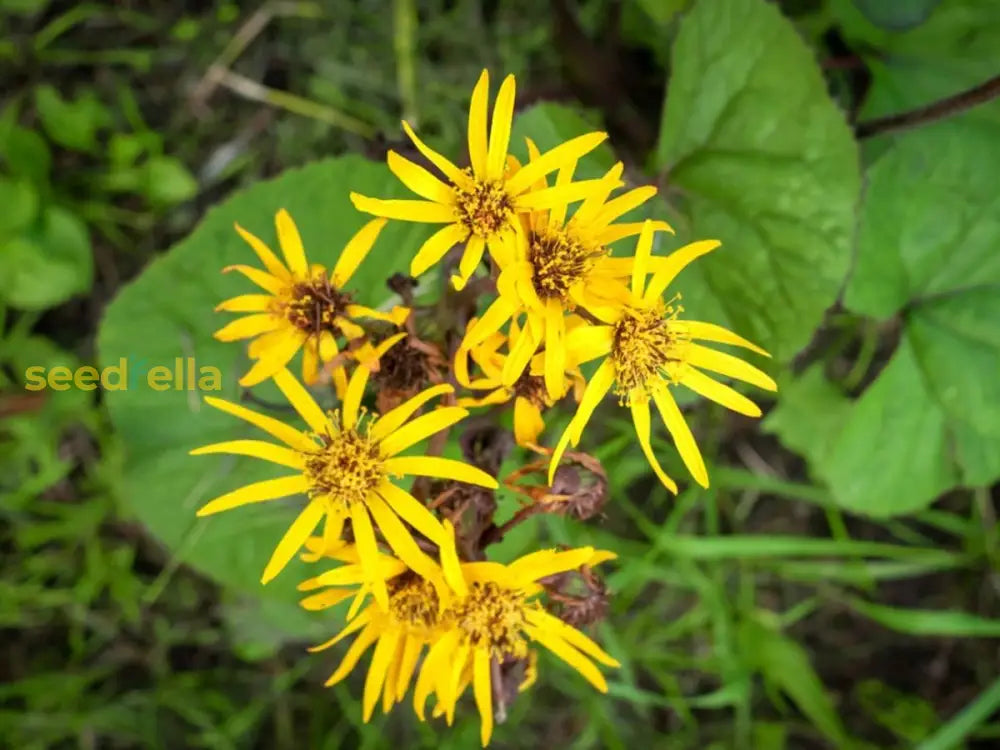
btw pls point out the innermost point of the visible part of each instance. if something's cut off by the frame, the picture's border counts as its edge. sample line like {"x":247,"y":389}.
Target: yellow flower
{"x":480,"y":203}
{"x":399,"y":631}
{"x":344,"y":465}
{"x":554,"y":266}
{"x":528,"y":391}
{"x":304,"y":308}
{"x":647,"y":348}
{"x":470,"y":616}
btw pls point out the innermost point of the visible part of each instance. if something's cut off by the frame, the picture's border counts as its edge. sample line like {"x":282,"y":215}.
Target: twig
{"x":404,"y":33}
{"x":938,"y":110}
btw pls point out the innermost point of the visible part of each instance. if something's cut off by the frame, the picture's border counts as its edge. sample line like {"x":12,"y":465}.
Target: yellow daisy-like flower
{"x":481,"y":203}
{"x":554,"y":266}
{"x":470,"y":616}
{"x":304,"y":308}
{"x":647,"y":348}
{"x":530,"y":395}
{"x":345,"y":464}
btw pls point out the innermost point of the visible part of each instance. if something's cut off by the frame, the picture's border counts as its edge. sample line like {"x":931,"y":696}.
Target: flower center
{"x":648,"y":349}
{"x":532,"y":387}
{"x":315,"y":304}
{"x":413,"y":601}
{"x":484,"y":206}
{"x":345,"y":468}
{"x":494,"y":617}
{"x":559,"y":262}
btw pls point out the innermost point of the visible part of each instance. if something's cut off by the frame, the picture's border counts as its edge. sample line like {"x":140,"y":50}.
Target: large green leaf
{"x":168,"y":313}
{"x":763,"y":160}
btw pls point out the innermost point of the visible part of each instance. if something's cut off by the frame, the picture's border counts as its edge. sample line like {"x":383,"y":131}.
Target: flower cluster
{"x":411,"y":560}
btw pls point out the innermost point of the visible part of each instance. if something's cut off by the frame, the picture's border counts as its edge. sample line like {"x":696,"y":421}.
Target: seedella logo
{"x":182,"y":374}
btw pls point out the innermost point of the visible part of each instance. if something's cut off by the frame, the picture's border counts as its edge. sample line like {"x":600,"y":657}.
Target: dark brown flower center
{"x":316,"y":304}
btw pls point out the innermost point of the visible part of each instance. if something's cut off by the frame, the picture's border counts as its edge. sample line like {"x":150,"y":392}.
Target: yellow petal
{"x":450,"y":695}
{"x":448,"y":169}
{"x":441,"y":468}
{"x":597,"y":388}
{"x":425,"y":212}
{"x":552,"y":160}
{"x":622,"y":205}
{"x":477,"y":125}
{"x":325,"y":600}
{"x":255,"y":449}
{"x":407,"y":663}
{"x":258,"y":492}
{"x":304,"y":403}
{"x":528,"y":423}
{"x":353,"y":626}
{"x":274,"y":356}
{"x":364,"y":537}
{"x":588,"y":342}
{"x":616,"y":232}
{"x":246,"y":303}
{"x":367,"y":637}
{"x":392,"y":419}
{"x":450,"y":565}
{"x":681,"y":434}
{"x":264,"y":280}
{"x":310,"y":362}
{"x":436,"y":660}
{"x":718,"y":334}
{"x":547,"y":562}
{"x":643,"y":251}
{"x":251,"y":325}
{"x":503,"y":113}
{"x":399,"y":538}
{"x":291,"y":244}
{"x":419,"y":180}
{"x":496,"y":315}
{"x":420,"y":428}
{"x":472,"y":256}
{"x":435,"y":247}
{"x":292,"y":541}
{"x":673,"y":264}
{"x":285,"y":433}
{"x":570,"y":655}
{"x":411,"y":510}
{"x":711,"y":389}
{"x":555,"y":350}
{"x":384,"y":650}
{"x":594,"y":202}
{"x":578,"y":640}
{"x":640,"y":416}
{"x":352,"y":399}
{"x":557,"y":215}
{"x":521,"y":351}
{"x":730,"y":366}
{"x":483,"y":688}
{"x":538,"y":200}
{"x":274,"y":266}
{"x":355,"y":251}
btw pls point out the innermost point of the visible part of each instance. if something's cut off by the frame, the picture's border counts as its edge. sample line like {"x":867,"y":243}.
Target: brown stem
{"x":938,"y":110}
{"x":496,"y":533}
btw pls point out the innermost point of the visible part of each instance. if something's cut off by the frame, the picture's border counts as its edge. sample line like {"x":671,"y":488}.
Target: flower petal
{"x":643,"y":251}
{"x":425,"y":212}
{"x":364,"y":537}
{"x":285,"y":433}
{"x":434,"y":663}
{"x":640,"y":416}
{"x":303,"y":402}
{"x":503,"y":113}
{"x":258,"y":492}
{"x":367,"y":637}
{"x":250,"y":325}
{"x":411,"y":510}
{"x":681,"y":434}
{"x":622,"y":204}
{"x":264,"y":280}
{"x":274,"y":266}
{"x":478,"y":105}
{"x":528,"y":423}
{"x":246,"y":303}
{"x":419,"y":180}
{"x":300,"y":530}
{"x":570,"y":655}
{"x":355,"y":251}
{"x":552,"y":160}
{"x":394,"y":418}
{"x":448,"y":169}
{"x":730,"y":366}
{"x":352,"y":399}
{"x":715,"y":391}
{"x":472,"y":256}
{"x":498,"y":313}
{"x":384,"y":650}
{"x":574,"y":637}
{"x":546,"y":562}
{"x":400,"y":539}
{"x":450,"y":565}
{"x":673,"y":264}
{"x":615,"y":232}
{"x":272,"y":357}
{"x":435,"y":247}
{"x":441,"y":468}
{"x":588,"y":342}
{"x":538,"y":200}
{"x":420,"y":428}
{"x":255,"y":449}
{"x":555,"y":350}
{"x":600,"y":383}
{"x":718,"y":334}
{"x":291,"y":244}
{"x":482,"y":686}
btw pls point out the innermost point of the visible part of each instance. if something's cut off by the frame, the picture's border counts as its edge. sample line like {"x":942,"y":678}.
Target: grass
{"x":754,"y":615}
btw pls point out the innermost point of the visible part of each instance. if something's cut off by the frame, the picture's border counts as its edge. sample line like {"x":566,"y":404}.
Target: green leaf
{"x":168,"y":313}
{"x":26,"y":154}
{"x":929,"y":622}
{"x":909,"y":717}
{"x":20,"y":205}
{"x":49,"y":263}
{"x":785,"y":664}
{"x":766,"y":163}
{"x":168,"y":181}
{"x":73,"y":124}
{"x":896,"y":15}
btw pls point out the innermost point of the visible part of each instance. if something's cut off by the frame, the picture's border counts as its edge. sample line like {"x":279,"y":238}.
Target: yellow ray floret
{"x":304,"y":308}
{"x":479,"y":204}
{"x":348,"y":466}
{"x":647,"y":348}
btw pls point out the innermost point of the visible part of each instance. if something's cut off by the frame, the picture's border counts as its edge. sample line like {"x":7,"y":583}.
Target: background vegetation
{"x":838,"y":584}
